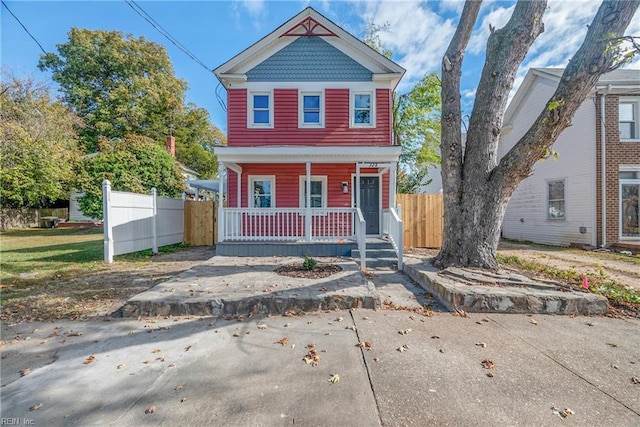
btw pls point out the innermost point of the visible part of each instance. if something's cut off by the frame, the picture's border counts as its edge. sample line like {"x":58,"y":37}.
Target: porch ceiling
{"x":314,"y":154}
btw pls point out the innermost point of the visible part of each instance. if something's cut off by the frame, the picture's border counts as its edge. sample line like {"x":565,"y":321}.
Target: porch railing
{"x":395,"y":233}
{"x":361,"y":238}
{"x":288,"y":224}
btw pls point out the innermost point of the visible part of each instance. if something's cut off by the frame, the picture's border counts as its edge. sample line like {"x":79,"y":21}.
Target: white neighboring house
{"x":561,"y":202}
{"x":432,"y":183}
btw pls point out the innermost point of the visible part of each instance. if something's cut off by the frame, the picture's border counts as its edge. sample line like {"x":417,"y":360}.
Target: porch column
{"x":220,"y":201}
{"x":357,"y":189}
{"x":239,"y":190}
{"x":392,"y":184}
{"x":307,"y":212}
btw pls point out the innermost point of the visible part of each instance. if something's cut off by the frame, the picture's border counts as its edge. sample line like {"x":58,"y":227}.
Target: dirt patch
{"x":86,"y":294}
{"x":299,"y":271}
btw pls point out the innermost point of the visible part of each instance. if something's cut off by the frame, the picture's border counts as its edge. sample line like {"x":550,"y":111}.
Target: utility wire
{"x":140,"y":11}
{"x":25,"y":28}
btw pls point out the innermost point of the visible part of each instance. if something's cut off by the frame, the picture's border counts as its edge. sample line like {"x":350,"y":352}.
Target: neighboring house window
{"x":318,"y":191}
{"x":260,"y":109}
{"x":362,"y":109}
{"x":629,"y":205}
{"x":628,"y":119}
{"x":556,"y":200}
{"x":262,"y":191}
{"x":311,"y":111}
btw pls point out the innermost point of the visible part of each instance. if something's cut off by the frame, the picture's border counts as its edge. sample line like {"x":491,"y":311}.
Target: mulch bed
{"x":297,"y":270}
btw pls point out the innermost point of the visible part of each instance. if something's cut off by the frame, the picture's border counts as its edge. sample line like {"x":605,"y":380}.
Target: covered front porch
{"x":330,"y":197}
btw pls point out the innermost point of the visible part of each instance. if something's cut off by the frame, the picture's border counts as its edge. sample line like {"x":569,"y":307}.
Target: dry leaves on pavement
{"x":334,"y":378}
{"x":283,"y":341}
{"x":488,"y":364}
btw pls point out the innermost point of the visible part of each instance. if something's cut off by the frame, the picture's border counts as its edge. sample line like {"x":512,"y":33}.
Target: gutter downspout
{"x":603,"y":167}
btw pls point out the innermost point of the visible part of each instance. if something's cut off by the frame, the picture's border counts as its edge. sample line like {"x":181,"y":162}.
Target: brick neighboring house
{"x":561,"y":202}
{"x":310,"y":155}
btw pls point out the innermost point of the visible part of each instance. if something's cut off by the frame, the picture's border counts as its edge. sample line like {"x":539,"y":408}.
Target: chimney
{"x":171,"y":146}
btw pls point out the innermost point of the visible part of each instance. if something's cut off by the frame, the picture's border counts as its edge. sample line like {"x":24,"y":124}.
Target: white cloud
{"x":417,"y":36}
{"x":254,"y":8}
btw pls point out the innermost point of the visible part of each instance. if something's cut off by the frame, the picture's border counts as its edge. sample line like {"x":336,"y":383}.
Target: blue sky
{"x":215,"y":31}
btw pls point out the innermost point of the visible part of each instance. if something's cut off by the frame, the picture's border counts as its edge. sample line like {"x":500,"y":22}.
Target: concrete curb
{"x":490,"y":299}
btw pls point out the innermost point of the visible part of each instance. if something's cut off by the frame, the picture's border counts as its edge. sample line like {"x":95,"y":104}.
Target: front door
{"x":370,"y":202}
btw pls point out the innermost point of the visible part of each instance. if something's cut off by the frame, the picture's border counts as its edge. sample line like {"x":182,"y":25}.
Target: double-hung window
{"x":311,"y":110}
{"x":362,"y":109}
{"x":262,"y":191}
{"x":628,"y":118}
{"x":260,"y":109}
{"x":318,"y":191}
{"x":556,"y":207}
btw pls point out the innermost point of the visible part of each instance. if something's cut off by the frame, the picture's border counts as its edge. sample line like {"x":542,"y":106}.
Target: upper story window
{"x":262,"y":191}
{"x":311,"y":110}
{"x":260,"y":109}
{"x":628,"y":119}
{"x":362,"y":109}
{"x":556,"y":200}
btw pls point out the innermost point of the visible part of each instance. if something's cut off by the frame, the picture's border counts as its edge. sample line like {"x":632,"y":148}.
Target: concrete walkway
{"x":207,"y":371}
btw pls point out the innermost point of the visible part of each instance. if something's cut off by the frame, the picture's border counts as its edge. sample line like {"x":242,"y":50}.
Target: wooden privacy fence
{"x":422,"y":219}
{"x":200,"y":222}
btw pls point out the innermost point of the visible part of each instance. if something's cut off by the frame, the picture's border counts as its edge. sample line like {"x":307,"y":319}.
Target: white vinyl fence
{"x":134,"y":222}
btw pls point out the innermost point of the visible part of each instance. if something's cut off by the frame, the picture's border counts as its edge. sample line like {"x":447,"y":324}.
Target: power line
{"x":25,"y":28}
{"x":140,"y":11}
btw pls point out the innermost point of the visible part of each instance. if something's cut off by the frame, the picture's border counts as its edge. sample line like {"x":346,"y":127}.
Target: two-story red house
{"x":310,"y":156}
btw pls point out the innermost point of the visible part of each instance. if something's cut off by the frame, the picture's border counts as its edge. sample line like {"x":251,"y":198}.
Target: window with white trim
{"x":262,"y":191}
{"x":318,"y":191}
{"x":630,"y":204}
{"x":556,"y":208}
{"x":311,"y":109}
{"x":628,"y":119}
{"x":260,"y":109}
{"x":362,"y":109}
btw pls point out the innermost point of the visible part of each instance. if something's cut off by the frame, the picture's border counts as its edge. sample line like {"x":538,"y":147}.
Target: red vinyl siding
{"x":287,"y":186}
{"x":286,"y":131}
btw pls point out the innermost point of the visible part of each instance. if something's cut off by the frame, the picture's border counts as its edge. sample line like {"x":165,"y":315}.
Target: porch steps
{"x":380,"y":254}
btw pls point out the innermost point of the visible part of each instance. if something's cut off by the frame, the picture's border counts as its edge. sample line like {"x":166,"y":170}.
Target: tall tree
{"x":477,"y":185}
{"x":38,"y":147}
{"x":121,"y":85}
{"x":134,"y":163}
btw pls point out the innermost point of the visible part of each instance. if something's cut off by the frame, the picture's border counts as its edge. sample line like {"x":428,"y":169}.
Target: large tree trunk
{"x":477,"y":188}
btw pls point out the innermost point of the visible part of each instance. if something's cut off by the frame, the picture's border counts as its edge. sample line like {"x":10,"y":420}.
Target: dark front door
{"x":370,"y":202}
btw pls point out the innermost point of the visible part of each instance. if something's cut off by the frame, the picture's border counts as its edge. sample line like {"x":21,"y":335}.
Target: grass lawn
{"x":55,"y":273}
{"x":49,"y":252}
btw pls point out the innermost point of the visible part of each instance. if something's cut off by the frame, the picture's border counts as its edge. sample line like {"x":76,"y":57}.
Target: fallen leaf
{"x":376,"y":359}
{"x":612,"y":344}
{"x":36,"y":407}
{"x":184,"y":399}
{"x":485,"y":320}
{"x":403,"y":348}
{"x":236,"y":335}
{"x":179,"y":387}
{"x":405,"y":332}
{"x":635,"y":380}
{"x":487,"y":364}
{"x":25,"y":371}
{"x":352,"y":327}
{"x":75,"y":334}
{"x":157,"y":350}
{"x":364,"y":344}
{"x":187,"y":348}
{"x":287,"y":325}
{"x":150,"y":410}
{"x":366,"y":318}
{"x":262,"y":326}
{"x":441,"y":350}
{"x":146,"y":362}
{"x":534,"y":322}
{"x":172,"y":365}
{"x":121,"y":366}
{"x":283,"y":341}
{"x":562,"y":413}
{"x":334,"y":378}
{"x":490,"y":375}
{"x":435,"y":337}
{"x":89,"y":359}
{"x":339,"y":319}
{"x":481,"y":344}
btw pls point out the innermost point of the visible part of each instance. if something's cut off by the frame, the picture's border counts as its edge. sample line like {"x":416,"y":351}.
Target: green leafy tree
{"x":416,"y":120}
{"x":38,"y":146}
{"x":135,"y":164}
{"x":120,"y":85}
